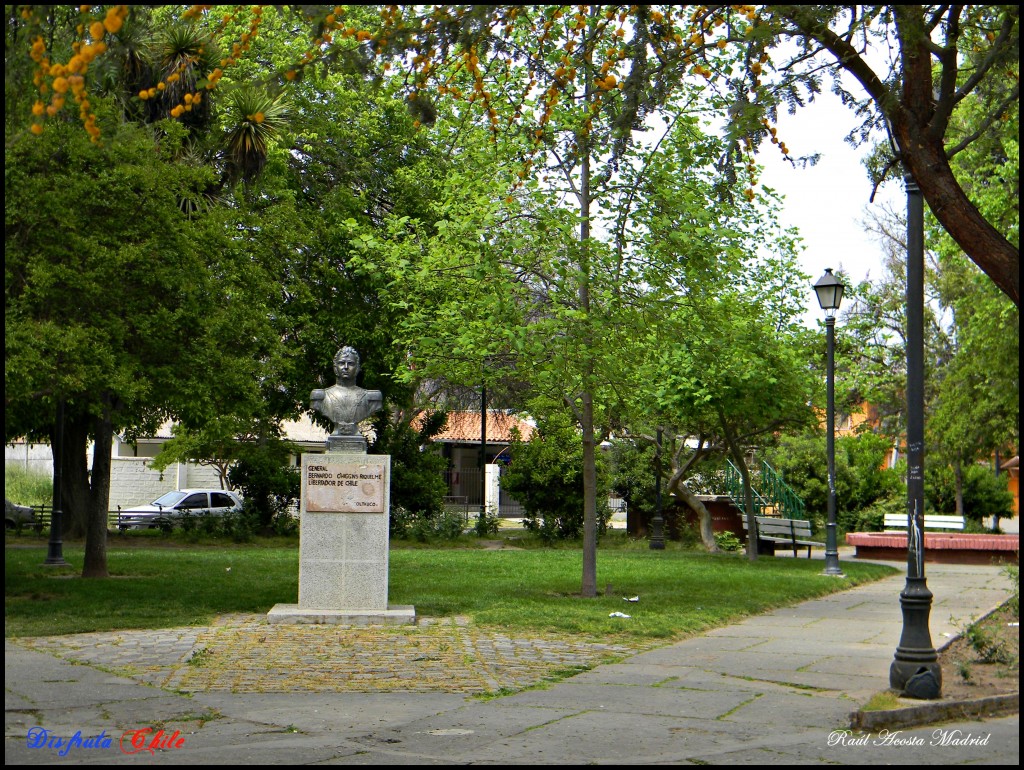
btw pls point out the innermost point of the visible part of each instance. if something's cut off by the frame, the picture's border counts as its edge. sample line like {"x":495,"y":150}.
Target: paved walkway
{"x":775,"y":689}
{"x":243,"y":654}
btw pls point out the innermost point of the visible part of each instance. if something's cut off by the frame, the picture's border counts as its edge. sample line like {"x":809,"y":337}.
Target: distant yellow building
{"x":867,"y":414}
{"x":1012,"y":468}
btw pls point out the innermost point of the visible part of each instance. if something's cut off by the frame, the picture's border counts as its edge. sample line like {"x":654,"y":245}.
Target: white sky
{"x":827,"y":202}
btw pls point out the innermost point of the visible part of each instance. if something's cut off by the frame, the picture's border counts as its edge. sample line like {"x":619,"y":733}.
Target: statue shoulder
{"x":317,"y":395}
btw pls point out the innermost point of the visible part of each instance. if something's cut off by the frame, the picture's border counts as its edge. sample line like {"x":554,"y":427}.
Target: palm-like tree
{"x":187,"y":55}
{"x":255,"y":118}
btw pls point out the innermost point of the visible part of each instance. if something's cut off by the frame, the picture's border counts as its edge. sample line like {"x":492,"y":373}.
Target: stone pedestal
{"x":356,"y":444}
{"x":343,"y":543}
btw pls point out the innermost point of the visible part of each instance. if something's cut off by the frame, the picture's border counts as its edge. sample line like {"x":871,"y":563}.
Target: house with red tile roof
{"x":460,"y":443}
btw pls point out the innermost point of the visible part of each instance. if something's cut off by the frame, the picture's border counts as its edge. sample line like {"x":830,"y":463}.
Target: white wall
{"x":132,"y":481}
{"x":34,"y":458}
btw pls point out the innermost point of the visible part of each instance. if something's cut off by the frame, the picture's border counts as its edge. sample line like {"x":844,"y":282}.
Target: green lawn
{"x":156,"y":586}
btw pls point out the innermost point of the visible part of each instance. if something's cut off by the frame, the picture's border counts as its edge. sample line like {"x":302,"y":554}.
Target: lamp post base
{"x":55,"y":548}
{"x":657,"y":541}
{"x":922,"y":681}
{"x":915,"y":671}
{"x":832,"y":567}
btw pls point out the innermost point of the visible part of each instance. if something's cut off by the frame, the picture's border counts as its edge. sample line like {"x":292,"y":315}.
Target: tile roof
{"x":464,"y":427}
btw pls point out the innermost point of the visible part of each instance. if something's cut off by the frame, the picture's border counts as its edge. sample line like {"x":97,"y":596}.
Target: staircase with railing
{"x":772,"y":495}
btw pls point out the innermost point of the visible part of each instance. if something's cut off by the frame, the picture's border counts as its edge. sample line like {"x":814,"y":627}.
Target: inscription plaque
{"x":345,"y":487}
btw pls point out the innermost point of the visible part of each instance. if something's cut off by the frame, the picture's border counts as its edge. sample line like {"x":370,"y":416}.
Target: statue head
{"x":346,"y":364}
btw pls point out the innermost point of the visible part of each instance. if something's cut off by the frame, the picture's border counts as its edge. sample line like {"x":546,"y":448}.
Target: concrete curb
{"x":932,"y":713}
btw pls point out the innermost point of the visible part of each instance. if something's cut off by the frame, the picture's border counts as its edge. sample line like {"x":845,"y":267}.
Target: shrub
{"x":238,"y":526}
{"x":861,"y":479}
{"x":872,"y":518}
{"x":985,"y":494}
{"x":401,"y":521}
{"x":417,"y":473}
{"x":1012,"y":571}
{"x":546,"y":475}
{"x":990,"y":648}
{"x":487,"y":524}
{"x":728,"y":541}
{"x":447,"y":526}
{"x":269,"y":486}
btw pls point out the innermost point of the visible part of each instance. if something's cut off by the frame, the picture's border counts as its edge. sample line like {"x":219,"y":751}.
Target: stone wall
{"x":132,"y":481}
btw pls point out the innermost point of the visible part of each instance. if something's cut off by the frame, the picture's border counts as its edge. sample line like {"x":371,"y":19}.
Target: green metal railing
{"x":734,"y":488}
{"x":772,"y":495}
{"x":788,"y":502}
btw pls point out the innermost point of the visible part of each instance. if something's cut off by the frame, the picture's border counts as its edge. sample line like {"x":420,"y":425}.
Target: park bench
{"x":898,"y":521}
{"x":791,"y":533}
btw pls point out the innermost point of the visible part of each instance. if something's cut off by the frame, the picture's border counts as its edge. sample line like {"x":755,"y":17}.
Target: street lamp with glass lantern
{"x":830,"y":293}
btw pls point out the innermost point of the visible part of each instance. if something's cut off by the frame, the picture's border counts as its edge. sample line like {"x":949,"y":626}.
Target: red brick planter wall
{"x":939,"y":547}
{"x":725,"y":517}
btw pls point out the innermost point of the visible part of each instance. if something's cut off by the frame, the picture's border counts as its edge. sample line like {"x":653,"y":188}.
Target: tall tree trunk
{"x":588,"y":588}
{"x":95,"y":564}
{"x":736,"y":452}
{"x":958,"y":478}
{"x":707,"y":532}
{"x":74,"y":492}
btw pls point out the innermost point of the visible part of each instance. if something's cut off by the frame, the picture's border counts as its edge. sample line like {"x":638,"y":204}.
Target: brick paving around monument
{"x":243,"y":653}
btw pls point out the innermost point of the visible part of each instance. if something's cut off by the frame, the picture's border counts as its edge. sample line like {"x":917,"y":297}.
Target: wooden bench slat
{"x":788,"y":532}
{"x":782,"y":528}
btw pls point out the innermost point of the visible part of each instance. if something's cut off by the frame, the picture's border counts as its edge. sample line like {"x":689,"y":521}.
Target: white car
{"x":170,"y":508}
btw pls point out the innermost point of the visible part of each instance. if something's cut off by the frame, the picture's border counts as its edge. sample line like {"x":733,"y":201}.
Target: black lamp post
{"x":483,"y":453}
{"x":915,"y":670}
{"x":55,"y":549}
{"x":830,"y":293}
{"x":657,"y":542}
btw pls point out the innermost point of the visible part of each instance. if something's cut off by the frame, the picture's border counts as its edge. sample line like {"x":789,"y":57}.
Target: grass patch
{"x":154,"y":584}
{"x":26,"y":487}
{"x":681,"y":592}
{"x":887,"y":700}
{"x":149,"y":587}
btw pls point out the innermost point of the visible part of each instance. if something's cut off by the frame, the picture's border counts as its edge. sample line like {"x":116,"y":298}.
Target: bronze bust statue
{"x":346,"y":404}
